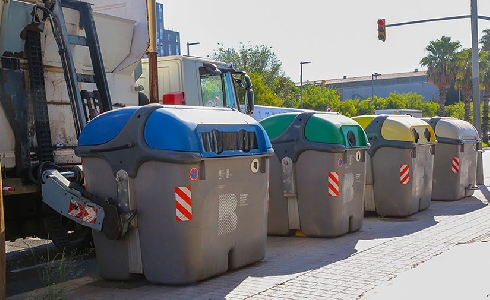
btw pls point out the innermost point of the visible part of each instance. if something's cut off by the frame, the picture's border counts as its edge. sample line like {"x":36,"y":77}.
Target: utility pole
{"x":152,"y":52}
{"x":372,"y":84}
{"x":301,"y":81}
{"x":475,"y":67}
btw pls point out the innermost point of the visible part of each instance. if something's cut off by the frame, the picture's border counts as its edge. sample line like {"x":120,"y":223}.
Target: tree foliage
{"x":485,"y":79}
{"x":258,"y":59}
{"x":263,"y":94}
{"x":463,"y":78}
{"x":441,"y":66}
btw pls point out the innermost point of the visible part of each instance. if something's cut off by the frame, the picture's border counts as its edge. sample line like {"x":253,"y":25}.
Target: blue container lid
{"x":106,"y":126}
{"x":212,"y":132}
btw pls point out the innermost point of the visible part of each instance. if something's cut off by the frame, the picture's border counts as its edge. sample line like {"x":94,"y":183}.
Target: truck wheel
{"x":67,"y":234}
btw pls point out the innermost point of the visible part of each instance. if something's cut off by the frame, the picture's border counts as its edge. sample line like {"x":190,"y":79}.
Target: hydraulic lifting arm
{"x":75,"y":203}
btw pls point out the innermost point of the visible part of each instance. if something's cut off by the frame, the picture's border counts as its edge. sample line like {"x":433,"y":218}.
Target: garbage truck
{"x":60,"y":68}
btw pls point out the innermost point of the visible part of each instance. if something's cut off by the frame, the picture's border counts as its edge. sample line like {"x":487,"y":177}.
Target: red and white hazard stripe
{"x":85,"y":213}
{"x":404,"y":174}
{"x":333,"y":184}
{"x":90,"y":214}
{"x":75,"y":209}
{"x":455,"y":165}
{"x":183,"y":203}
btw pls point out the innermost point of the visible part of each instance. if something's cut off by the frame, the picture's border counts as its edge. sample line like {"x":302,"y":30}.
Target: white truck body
{"x":35,"y":106}
{"x":178,"y":74}
{"x":263,"y":111}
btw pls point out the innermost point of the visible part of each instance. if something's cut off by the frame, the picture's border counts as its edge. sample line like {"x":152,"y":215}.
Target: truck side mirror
{"x":246,"y":81}
{"x":249,"y":101}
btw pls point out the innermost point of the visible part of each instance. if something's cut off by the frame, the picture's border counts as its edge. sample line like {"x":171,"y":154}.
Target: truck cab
{"x":197,"y":81}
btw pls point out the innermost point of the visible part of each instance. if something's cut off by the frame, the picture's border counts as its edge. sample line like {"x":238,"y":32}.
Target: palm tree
{"x":485,"y":86}
{"x":440,"y":63}
{"x":485,"y":79}
{"x":463,"y":79}
{"x":485,"y":40}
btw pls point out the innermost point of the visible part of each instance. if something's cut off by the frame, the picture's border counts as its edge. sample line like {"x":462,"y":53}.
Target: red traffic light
{"x":381,"y":30}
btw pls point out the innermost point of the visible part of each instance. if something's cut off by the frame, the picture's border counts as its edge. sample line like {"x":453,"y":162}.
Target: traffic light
{"x":381,"y":30}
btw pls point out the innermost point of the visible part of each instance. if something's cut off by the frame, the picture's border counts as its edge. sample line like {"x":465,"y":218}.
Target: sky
{"x":338,"y":37}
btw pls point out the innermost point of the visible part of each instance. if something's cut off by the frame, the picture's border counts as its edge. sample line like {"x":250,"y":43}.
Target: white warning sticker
{"x":358,"y":155}
{"x":254,"y":166}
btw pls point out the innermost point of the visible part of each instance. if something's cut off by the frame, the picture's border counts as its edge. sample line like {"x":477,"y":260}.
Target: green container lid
{"x":275,"y":125}
{"x":321,"y":127}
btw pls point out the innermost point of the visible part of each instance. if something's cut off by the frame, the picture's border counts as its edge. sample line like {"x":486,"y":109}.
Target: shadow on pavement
{"x":459,"y":207}
{"x":287,"y":257}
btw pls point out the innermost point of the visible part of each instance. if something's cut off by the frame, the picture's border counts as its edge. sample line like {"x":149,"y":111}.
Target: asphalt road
{"x":34,"y":263}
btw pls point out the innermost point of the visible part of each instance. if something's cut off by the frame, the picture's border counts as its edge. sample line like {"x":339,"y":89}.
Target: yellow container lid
{"x":364,"y":120}
{"x":403,"y":128}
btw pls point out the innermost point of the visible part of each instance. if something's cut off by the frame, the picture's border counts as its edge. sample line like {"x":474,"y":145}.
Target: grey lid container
{"x":455,"y":160}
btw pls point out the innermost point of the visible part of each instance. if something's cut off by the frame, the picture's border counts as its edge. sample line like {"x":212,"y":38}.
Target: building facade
{"x":382,"y":85}
{"x":168,"y":41}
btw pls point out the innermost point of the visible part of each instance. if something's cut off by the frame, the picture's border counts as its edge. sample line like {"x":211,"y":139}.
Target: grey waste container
{"x":317,"y":174}
{"x":198,"y":180}
{"x":401,"y":160}
{"x":455,"y":159}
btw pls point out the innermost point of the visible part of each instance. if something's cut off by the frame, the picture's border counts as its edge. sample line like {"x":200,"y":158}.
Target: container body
{"x":317,"y":174}
{"x":455,"y":161}
{"x":454,"y":171}
{"x":402,"y":180}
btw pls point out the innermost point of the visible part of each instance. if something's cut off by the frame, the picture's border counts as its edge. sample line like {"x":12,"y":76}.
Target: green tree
{"x":365,"y":107}
{"x":318,"y":98}
{"x":440,"y":63}
{"x":429,"y":109}
{"x":348,"y":108}
{"x":455,"y":110}
{"x":463,"y":79}
{"x":485,"y":40}
{"x":258,"y":59}
{"x":263,"y":94}
{"x":485,"y":79}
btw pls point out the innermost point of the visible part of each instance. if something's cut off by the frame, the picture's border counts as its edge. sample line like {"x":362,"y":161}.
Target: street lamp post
{"x":191,"y":44}
{"x":372,"y":84}
{"x":301,"y":81}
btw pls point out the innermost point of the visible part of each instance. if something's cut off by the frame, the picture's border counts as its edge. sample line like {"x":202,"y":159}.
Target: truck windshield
{"x":218,"y":90}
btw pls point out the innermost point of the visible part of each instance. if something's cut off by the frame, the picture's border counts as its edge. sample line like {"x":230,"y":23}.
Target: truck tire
{"x":66,"y":234}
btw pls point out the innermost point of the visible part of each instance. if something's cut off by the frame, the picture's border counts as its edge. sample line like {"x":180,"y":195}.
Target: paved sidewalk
{"x":460,"y":273}
{"x":374,"y":263}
